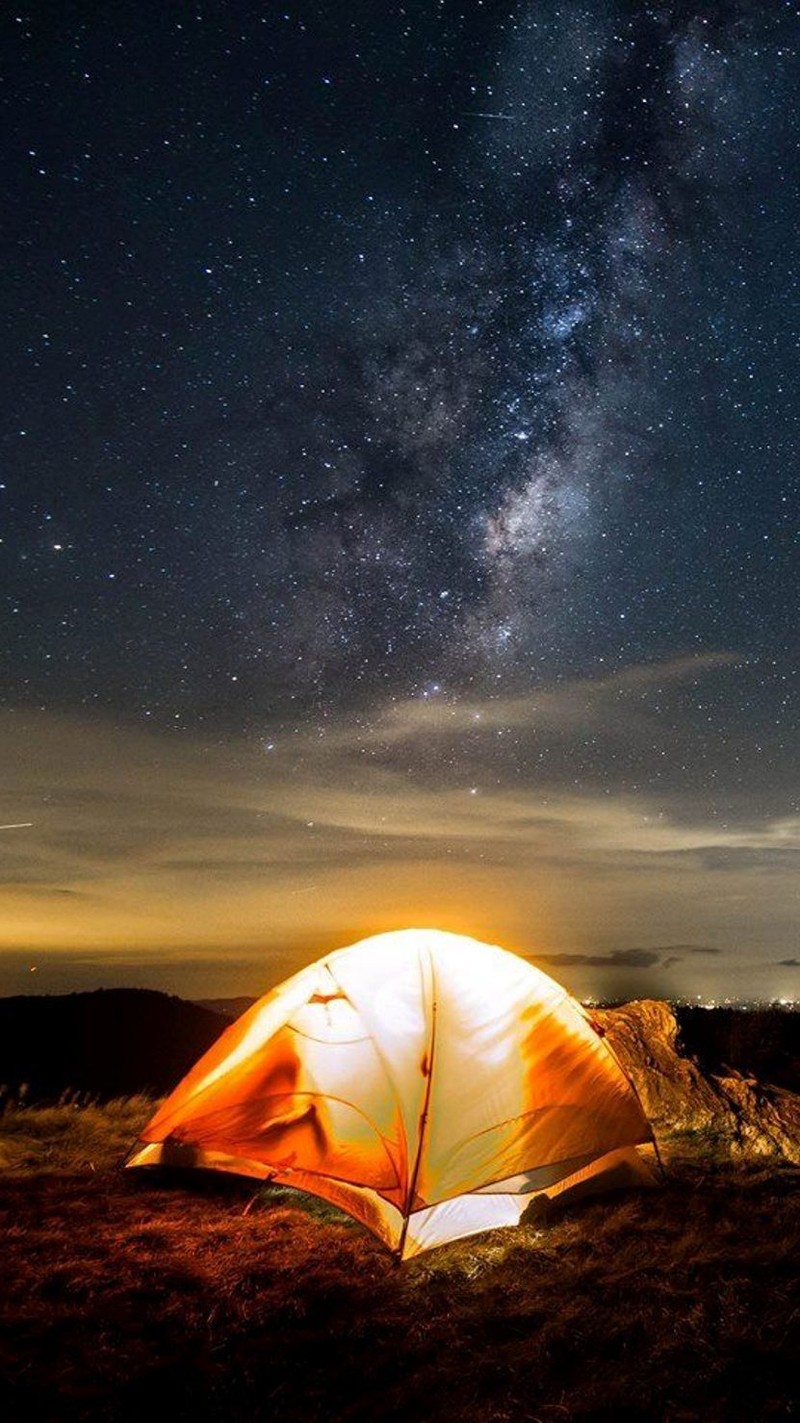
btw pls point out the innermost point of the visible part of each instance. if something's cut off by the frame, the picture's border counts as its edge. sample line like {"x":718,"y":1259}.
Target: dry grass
{"x":125,"y":1293}
{"x":67,"y":1139}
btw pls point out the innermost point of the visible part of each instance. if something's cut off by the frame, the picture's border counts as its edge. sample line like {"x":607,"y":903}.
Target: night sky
{"x":398,"y":489}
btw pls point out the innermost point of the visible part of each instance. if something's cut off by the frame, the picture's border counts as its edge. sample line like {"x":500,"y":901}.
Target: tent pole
{"x":401,"y":1244}
{"x":662,"y":1168}
{"x":423,"y":1118}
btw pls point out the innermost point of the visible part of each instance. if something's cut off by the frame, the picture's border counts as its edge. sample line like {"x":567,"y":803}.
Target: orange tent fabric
{"x":424,"y":1082}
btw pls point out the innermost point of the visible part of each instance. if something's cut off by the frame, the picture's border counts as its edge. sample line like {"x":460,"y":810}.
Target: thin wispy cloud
{"x":278,"y":838}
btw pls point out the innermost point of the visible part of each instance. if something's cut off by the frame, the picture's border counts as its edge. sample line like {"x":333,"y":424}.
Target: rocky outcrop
{"x":746,"y":1115}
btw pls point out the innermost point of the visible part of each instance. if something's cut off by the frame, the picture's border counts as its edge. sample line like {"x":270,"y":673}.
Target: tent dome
{"x":424,"y":1082}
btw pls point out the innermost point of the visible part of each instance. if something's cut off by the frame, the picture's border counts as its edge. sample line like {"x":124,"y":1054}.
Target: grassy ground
{"x":125,"y":1295}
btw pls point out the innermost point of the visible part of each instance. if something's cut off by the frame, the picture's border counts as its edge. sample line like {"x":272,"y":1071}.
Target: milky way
{"x":422,"y":350}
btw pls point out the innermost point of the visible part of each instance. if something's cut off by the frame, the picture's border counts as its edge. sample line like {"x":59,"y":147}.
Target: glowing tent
{"x":425,"y":1083}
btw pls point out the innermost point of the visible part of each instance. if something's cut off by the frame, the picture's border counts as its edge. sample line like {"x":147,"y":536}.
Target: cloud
{"x":576,"y":704}
{"x":779,"y":851}
{"x":147,"y":840}
{"x":684,"y":949}
{"x":617,"y":958}
{"x":663,"y":955}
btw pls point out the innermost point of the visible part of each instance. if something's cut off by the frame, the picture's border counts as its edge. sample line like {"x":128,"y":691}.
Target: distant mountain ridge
{"x":228,"y":1007}
{"x":114,"y":1042}
{"x":764,"y":1042}
{"x":695,"y":1070}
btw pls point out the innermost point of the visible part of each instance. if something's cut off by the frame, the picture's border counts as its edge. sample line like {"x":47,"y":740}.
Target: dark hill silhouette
{"x":121,"y":1041}
{"x":111,"y":1043}
{"x":764,"y":1042}
{"x":229,"y":1008}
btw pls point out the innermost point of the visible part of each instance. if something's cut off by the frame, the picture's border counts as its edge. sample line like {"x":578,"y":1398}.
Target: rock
{"x":747,"y":1115}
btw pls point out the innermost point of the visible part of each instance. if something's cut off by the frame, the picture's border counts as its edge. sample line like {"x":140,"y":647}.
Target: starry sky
{"x":398,"y":489}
